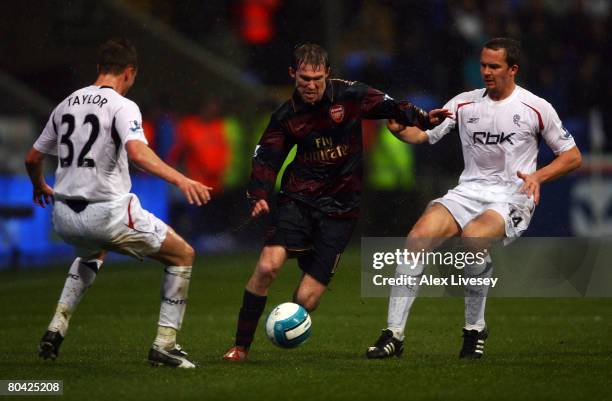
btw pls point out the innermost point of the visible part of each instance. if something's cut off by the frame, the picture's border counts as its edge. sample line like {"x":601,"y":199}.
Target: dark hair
{"x":512,"y":47}
{"x":115,"y":55}
{"x":309,"y":53}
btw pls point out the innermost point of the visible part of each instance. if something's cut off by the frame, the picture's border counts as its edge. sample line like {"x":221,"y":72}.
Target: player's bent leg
{"x":433,"y":227}
{"x":81,"y":276}
{"x":174,"y":251}
{"x":391,"y":341}
{"x":254,"y":299}
{"x":328,"y":241}
{"x":489,"y":224}
{"x":178,"y":256}
{"x":270,"y":261}
{"x":435,"y":224}
{"x":309,"y":292}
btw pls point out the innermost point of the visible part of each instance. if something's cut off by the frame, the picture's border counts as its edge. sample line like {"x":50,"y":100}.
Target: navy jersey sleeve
{"x":377,"y":105}
{"x":268,"y":158}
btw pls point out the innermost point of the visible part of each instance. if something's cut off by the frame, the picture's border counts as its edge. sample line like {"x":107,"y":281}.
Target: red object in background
{"x":370,"y":129}
{"x":203,"y":147}
{"x":257,"y":20}
{"x":149,"y":132}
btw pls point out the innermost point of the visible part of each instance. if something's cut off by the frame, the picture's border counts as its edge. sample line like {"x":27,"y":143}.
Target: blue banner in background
{"x":552,"y":215}
{"x":27,"y":241}
{"x":576,"y":205}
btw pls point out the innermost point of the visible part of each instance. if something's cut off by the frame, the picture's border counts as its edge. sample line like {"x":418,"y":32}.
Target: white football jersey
{"x":88,"y":131}
{"x":500,"y":138}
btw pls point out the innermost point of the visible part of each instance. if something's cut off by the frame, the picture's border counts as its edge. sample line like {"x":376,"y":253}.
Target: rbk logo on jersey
{"x":336,"y":112}
{"x":473,"y":120}
{"x":487,"y":138}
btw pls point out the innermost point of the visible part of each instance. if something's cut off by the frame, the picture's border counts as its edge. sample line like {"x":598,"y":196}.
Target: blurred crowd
{"x":412,"y":46}
{"x":423,"y":51}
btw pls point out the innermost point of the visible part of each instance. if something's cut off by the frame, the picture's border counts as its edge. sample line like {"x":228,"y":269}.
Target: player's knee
{"x":419,"y":231}
{"x":470,"y":231}
{"x":188,"y":255}
{"x":267,"y":270}
{"x":191,"y":253}
{"x":472,"y":239}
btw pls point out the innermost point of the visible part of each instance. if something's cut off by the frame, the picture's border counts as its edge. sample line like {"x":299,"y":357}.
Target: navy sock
{"x":252,"y":308}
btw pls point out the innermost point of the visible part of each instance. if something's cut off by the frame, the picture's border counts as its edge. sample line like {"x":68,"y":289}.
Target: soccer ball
{"x":288,"y":325}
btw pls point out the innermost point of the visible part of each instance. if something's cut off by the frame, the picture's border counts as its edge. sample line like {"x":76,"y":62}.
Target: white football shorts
{"x":120,"y":225}
{"x":466,"y":203}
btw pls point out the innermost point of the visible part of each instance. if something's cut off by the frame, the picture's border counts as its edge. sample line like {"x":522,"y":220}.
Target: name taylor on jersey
{"x":87,"y":132}
{"x":87,"y":99}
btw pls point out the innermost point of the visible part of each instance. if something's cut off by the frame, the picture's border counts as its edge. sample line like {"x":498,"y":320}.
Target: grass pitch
{"x":539,"y":349}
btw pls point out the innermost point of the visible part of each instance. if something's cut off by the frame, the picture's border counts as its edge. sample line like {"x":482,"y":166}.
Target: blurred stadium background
{"x":211,"y":72}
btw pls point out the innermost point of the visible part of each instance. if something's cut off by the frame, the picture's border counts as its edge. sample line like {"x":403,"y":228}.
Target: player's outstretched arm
{"x":42,"y":193}
{"x":415,"y":135}
{"x":564,"y":163}
{"x":411,"y":135}
{"x":437,"y":116}
{"x":144,"y":158}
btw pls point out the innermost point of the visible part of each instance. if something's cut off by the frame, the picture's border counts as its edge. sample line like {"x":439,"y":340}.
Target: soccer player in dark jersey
{"x":320,"y":193}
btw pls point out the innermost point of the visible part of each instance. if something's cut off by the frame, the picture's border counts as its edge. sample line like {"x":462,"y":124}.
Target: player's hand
{"x":195,"y":192}
{"x":394,"y":126}
{"x":531,"y":186}
{"x":436,"y":116}
{"x":260,"y":207}
{"x":42,"y":195}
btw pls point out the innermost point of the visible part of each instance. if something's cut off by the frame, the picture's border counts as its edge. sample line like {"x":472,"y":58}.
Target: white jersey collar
{"x":503,"y":101}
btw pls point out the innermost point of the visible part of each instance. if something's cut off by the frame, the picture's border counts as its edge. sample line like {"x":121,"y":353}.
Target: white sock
{"x":166,"y":337}
{"x":175,"y":286}
{"x":80,"y":277}
{"x":401,"y":299}
{"x":476,"y":295}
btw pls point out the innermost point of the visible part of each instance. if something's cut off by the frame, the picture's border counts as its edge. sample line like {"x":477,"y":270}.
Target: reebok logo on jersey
{"x":473,"y":120}
{"x":486,"y":138}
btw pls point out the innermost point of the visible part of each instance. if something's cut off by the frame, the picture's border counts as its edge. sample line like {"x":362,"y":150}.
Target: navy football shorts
{"x":315,"y":239}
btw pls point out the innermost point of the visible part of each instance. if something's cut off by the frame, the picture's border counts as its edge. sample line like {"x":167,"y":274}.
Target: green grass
{"x":539,"y":349}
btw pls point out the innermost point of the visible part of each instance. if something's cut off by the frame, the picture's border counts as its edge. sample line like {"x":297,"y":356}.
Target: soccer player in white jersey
{"x":94,"y":132}
{"x":499,"y":126}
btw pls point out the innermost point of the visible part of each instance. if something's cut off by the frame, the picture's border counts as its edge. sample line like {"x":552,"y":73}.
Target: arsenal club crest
{"x":336,"y":112}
